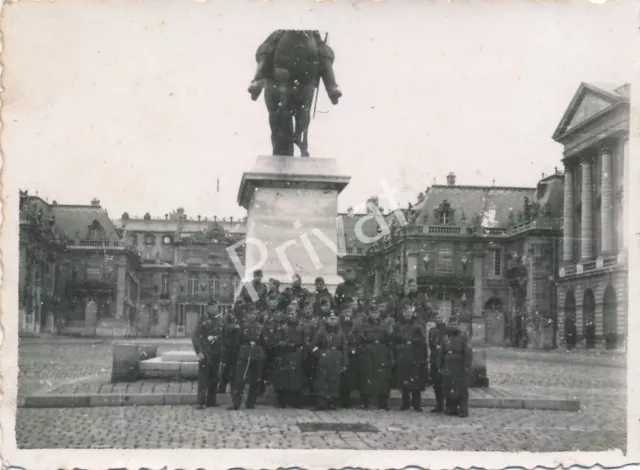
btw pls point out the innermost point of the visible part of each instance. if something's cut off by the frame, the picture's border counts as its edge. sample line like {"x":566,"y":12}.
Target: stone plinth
{"x":292,"y":205}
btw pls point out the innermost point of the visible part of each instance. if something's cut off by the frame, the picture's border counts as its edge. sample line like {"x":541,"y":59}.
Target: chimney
{"x":451,"y":179}
{"x":166,"y":217}
{"x":215,"y":218}
{"x":95,"y":202}
{"x":231,"y":219}
{"x":198,"y":218}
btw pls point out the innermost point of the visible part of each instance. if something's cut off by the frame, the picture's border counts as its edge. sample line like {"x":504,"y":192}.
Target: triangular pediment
{"x":588,"y":106}
{"x":588,"y":102}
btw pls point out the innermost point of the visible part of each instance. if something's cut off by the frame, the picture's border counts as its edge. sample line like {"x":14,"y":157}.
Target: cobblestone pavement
{"x":187,"y":427}
{"x":600,"y":387}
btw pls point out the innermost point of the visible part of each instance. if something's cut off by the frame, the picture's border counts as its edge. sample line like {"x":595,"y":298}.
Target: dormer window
{"x":444,"y":213}
{"x":166,"y":240}
{"x":95,"y":231}
{"x":149,"y":239}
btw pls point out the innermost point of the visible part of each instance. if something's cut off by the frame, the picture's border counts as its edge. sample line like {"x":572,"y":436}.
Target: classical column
{"x":586,"y":242}
{"x":606,"y":207}
{"x":478,"y":281}
{"x":569,"y":210}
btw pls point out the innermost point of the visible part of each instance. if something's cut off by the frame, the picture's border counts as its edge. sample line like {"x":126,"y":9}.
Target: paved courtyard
{"x":598,"y":381}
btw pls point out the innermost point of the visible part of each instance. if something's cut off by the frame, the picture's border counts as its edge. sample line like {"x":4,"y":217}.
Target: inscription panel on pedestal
{"x":287,"y":218}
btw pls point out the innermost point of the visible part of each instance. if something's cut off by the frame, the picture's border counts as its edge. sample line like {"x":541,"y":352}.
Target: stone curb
{"x":155,"y":399}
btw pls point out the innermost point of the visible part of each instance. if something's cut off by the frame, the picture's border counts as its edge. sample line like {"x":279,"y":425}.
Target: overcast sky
{"x":143,"y":104}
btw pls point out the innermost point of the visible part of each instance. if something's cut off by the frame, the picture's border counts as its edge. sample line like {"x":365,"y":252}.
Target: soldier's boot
{"x":322,"y":404}
{"x":252,"y":396}
{"x":212,"y":395}
{"x":295,"y":399}
{"x":383,"y":402}
{"x":236,"y":400}
{"x":451,"y":409}
{"x":257,"y":84}
{"x":329,"y":79}
{"x":345,"y":398}
{"x":439,"y":408}
{"x":365,"y":401}
{"x":463,"y":409}
{"x":415,"y":400}
{"x":405,"y":400}
{"x":281,"y":396}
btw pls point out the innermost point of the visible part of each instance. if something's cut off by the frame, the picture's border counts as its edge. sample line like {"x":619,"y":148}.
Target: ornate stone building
{"x":592,"y":285}
{"x":185,"y":266}
{"x":460,"y":245}
{"x":75,"y":275}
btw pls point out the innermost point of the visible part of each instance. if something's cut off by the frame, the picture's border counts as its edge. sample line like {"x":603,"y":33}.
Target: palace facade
{"x":592,"y":281}
{"x":538,"y":267}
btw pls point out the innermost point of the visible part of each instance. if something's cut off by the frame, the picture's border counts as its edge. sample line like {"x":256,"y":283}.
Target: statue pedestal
{"x":292,"y":206}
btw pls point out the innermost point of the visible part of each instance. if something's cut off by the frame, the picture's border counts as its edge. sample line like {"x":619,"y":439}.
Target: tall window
{"x":445,"y":259}
{"x":236,"y":283}
{"x":214,"y":286}
{"x":166,"y":285}
{"x":497,"y":262}
{"x":149,"y":239}
{"x":444,"y":218}
{"x":193,"y":284}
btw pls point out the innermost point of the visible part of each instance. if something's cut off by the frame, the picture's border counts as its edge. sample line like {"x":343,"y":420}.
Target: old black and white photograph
{"x":298,"y":226}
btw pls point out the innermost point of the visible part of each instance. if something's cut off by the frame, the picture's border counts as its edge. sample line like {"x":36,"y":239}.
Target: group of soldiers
{"x":315,"y":349}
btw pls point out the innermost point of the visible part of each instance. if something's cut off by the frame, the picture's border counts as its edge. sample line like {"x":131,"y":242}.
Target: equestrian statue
{"x":290,"y":66}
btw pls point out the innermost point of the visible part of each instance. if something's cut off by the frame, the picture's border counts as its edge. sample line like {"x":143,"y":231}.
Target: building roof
{"x":76,"y":219}
{"x":492,"y":203}
{"x":550,"y":195}
{"x":188,"y":226}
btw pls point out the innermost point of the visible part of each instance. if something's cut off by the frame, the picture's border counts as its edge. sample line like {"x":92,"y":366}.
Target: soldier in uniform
{"x":320,"y":295}
{"x":456,"y":364}
{"x":418,"y":300}
{"x":265,"y":65}
{"x":231,"y":343}
{"x":331,"y":349}
{"x":288,"y":345}
{"x":260,"y":289}
{"x":250,"y":360}
{"x":376,"y":360}
{"x":296,"y":291}
{"x":350,"y":378}
{"x":310,"y":325}
{"x":207,"y":343}
{"x":410,"y":357}
{"x":346,"y":291}
{"x":271,"y":318}
{"x":435,"y":341}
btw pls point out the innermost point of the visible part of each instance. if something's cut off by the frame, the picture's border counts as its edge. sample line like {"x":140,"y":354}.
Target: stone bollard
{"x":126,"y":362}
{"x":147,"y":351}
{"x":479,"y":369}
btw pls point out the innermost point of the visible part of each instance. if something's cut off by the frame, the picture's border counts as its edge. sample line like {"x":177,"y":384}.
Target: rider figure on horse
{"x":265,"y":58}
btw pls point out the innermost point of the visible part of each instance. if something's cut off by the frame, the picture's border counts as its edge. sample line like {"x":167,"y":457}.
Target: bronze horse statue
{"x":290,"y":65}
